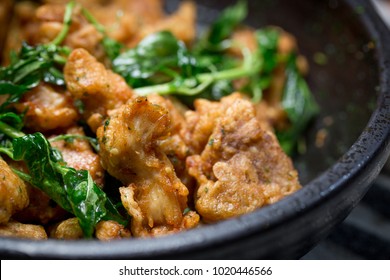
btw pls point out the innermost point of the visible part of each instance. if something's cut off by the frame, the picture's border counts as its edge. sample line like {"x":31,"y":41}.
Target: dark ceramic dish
{"x":353,"y":89}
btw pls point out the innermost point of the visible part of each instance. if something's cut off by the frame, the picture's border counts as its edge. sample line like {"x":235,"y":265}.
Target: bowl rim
{"x":371,"y":144}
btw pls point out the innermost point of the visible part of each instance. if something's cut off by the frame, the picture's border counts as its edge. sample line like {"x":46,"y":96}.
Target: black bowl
{"x":353,"y":89}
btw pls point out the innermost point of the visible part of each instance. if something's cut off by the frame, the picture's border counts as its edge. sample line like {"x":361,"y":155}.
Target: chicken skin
{"x":242,"y":166}
{"x":129,"y":147}
{"x":99,"y":89}
{"x":19,"y":230}
{"x":47,"y":108}
{"x":13,"y":193}
{"x":79,"y":155}
{"x":109,"y":230}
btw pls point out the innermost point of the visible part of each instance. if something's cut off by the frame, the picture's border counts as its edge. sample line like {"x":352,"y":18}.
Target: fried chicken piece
{"x":40,"y":24}
{"x":154,"y":196}
{"x":98,"y":88}
{"x":242,"y":167}
{"x":47,"y":108}
{"x":19,"y":230}
{"x":125,"y":19}
{"x":271,"y":117}
{"x":22,"y":27}
{"x":79,"y":155}
{"x":69,"y":229}
{"x":156,"y":212}
{"x":181,"y":23}
{"x":243,"y":37}
{"x":105,"y":230}
{"x":42,"y":209}
{"x":109,"y":230}
{"x":13,"y":193}
{"x":201,"y":122}
{"x":82,"y":34}
{"x":174,"y":145}
{"x":148,"y":11}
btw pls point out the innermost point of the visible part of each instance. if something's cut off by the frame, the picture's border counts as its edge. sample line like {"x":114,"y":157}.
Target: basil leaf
{"x":214,"y":40}
{"x":111,"y":47}
{"x":36,"y":152}
{"x":12,"y":119}
{"x":157,"y":58}
{"x":267,"y":39}
{"x":85,"y":198}
{"x":74,"y":190}
{"x":299,"y":104}
{"x":13,"y":91}
{"x":34,"y":64}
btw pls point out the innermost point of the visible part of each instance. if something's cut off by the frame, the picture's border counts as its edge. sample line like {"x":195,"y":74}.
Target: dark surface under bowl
{"x":353,"y":90}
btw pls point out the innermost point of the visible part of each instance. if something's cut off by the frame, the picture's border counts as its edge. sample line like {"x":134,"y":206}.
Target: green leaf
{"x":267,"y":39}
{"x":299,"y":104}
{"x":200,"y":82}
{"x":12,"y":119}
{"x":156,"y":59}
{"x":36,"y":151}
{"x":74,"y":190}
{"x":85,"y":198}
{"x":13,"y":91}
{"x":34,"y":64}
{"x":221,"y":29}
{"x":54,"y":76}
{"x":111,"y":47}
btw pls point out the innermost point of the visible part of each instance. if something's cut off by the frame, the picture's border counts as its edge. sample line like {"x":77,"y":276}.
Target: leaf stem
{"x":67,"y":22}
{"x":188,"y":86}
{"x":94,"y":21}
{"x":10,"y":131}
{"x":22,"y":175}
{"x":6,"y":151}
{"x":68,"y":137}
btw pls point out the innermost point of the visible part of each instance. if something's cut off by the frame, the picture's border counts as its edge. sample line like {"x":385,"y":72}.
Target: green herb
{"x":11,"y":124}
{"x":162,"y":64}
{"x":299,"y":105}
{"x":186,"y":211}
{"x":215,"y":39}
{"x":198,"y":83}
{"x":35,"y":64}
{"x":74,"y":190}
{"x":267,"y":39}
{"x":267,"y":53}
{"x":158,"y":58}
{"x":111,"y":47}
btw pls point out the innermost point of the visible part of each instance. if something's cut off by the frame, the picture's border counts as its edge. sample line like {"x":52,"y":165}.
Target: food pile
{"x":118,"y":120}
